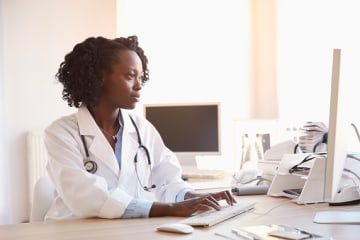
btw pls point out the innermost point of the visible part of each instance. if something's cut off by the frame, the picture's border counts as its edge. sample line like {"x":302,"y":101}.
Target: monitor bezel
{"x":189,"y":158}
{"x":338,"y":134}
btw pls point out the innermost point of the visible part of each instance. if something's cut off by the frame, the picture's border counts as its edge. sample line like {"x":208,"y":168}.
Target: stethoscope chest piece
{"x":90,"y":166}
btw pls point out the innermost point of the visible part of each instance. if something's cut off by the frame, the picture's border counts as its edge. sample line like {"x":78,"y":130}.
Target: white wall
{"x":198,"y":52}
{"x":3,"y":170}
{"x":36,"y":35}
{"x":308,"y":31}
{"x":264,"y":103}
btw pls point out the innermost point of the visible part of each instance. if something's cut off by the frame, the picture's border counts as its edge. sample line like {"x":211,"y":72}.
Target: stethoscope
{"x":91,"y":166}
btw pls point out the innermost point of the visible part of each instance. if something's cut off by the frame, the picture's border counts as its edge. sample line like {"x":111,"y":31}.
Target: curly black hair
{"x":80,"y":72}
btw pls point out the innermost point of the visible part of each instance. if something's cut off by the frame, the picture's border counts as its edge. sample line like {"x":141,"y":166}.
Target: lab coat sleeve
{"x":168,"y":176}
{"x":83,"y":193}
{"x":166,"y":170}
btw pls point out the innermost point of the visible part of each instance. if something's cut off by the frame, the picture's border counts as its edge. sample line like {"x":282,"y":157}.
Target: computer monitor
{"x":188,"y":129}
{"x":337,"y":141}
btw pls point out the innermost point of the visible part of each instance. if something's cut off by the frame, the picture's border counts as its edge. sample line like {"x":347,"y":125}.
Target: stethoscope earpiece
{"x":146,"y":188}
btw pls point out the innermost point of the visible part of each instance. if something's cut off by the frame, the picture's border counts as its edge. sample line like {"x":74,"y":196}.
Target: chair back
{"x":43,"y":196}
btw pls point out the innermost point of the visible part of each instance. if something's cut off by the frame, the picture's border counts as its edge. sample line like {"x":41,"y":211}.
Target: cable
{"x":311,"y":156}
{"x":353,"y":157}
{"x":271,"y":209}
{"x":259,"y":179}
{"x":352,"y":172}
{"x":356,"y":131}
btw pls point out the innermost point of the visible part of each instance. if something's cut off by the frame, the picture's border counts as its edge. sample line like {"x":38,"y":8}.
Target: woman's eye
{"x":131,"y":75}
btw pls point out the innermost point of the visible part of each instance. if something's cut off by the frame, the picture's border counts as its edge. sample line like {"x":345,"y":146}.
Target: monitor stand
{"x":186,"y":161}
{"x":348,"y":195}
{"x":190,"y":170}
{"x":342,"y":216}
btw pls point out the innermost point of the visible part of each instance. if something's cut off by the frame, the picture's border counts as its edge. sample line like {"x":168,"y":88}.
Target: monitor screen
{"x":338,"y":133}
{"x":189,"y":130}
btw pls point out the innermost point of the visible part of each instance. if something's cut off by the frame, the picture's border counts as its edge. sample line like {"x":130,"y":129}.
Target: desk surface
{"x":268,"y":210}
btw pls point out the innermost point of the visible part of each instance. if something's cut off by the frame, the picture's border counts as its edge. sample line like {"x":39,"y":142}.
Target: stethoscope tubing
{"x":91,"y":166}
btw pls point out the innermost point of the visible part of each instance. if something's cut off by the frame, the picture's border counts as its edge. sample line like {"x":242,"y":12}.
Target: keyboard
{"x":212,"y":217}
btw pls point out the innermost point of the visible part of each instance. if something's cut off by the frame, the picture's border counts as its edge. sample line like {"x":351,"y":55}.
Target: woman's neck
{"x":106,"y":119}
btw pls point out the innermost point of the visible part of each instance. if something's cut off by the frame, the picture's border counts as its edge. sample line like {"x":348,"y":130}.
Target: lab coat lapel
{"x":129,"y":147}
{"x":99,"y":146}
{"x":103,"y":151}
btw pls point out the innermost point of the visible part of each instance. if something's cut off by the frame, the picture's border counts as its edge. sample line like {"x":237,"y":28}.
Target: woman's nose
{"x":138,"y":83}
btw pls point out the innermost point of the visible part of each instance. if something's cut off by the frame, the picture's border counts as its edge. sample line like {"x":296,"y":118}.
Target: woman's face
{"x":121,"y":88}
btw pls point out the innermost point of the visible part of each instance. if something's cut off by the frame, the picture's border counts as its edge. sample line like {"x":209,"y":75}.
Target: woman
{"x":103,"y":159}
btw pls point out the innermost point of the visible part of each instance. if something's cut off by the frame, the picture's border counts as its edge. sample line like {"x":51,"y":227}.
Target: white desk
{"x":269,"y":210}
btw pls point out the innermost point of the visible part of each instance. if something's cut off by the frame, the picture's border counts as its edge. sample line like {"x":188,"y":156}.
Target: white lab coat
{"x":108,"y":191}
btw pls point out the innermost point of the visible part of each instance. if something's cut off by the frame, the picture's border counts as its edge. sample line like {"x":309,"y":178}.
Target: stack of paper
{"x":274,"y":232}
{"x":312,"y":136}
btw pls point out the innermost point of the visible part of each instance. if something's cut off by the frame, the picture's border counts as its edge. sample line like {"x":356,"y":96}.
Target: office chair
{"x":42,"y":198}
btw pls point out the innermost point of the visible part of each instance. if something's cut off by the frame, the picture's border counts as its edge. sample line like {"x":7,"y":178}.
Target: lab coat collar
{"x":100,"y":147}
{"x":88,"y":126}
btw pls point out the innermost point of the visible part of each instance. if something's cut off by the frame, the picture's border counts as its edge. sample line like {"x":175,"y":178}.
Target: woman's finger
{"x":224,"y":195}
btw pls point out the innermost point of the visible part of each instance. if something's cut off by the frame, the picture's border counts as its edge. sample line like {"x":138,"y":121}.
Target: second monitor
{"x":188,"y":129}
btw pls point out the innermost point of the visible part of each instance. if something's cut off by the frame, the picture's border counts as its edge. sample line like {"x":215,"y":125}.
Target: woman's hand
{"x":222,"y":195}
{"x":194,"y":203}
